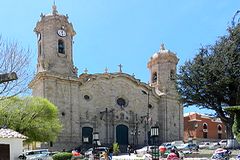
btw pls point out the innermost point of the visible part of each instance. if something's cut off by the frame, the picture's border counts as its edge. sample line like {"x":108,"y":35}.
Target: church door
{"x":122,"y":134}
{"x":87,"y":135}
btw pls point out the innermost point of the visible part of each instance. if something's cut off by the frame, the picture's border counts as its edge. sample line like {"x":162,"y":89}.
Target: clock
{"x":61,"y":33}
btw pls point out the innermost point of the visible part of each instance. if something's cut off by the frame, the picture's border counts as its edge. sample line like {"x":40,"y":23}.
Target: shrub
{"x":115,"y":148}
{"x":62,"y":156}
{"x":77,"y":157}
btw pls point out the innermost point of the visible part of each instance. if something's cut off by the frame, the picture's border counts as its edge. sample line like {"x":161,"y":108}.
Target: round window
{"x":150,"y":106}
{"x":86,"y":97}
{"x":121,"y":102}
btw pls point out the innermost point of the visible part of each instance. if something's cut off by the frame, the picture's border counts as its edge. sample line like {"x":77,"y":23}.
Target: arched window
{"x":205,"y":130}
{"x":205,"y":126}
{"x":219,"y":131}
{"x":61,"y":47}
{"x":172,"y":74}
{"x":154,"y":77}
{"x":219,"y":128}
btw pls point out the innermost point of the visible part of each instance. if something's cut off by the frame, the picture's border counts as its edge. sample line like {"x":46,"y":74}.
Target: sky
{"x":127,"y":32}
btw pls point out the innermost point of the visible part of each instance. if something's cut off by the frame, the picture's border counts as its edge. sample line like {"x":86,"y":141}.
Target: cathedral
{"x":115,"y":106}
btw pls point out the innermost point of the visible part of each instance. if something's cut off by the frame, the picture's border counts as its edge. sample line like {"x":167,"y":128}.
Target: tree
{"x":14,"y":59}
{"x":33,"y":117}
{"x":235,"y":110}
{"x":212,"y":79}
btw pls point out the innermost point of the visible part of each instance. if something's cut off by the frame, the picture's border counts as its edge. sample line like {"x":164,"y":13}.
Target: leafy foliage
{"x":62,"y":156}
{"x":236,"y":126}
{"x":34,"y":117}
{"x":212,"y":79}
{"x":115,"y":148}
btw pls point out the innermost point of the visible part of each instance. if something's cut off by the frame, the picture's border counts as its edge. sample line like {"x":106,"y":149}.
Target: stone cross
{"x":85,"y":70}
{"x":106,"y":70}
{"x":120,"y":68}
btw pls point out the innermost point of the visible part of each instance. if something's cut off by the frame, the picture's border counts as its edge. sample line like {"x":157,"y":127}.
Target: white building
{"x":11,"y":144}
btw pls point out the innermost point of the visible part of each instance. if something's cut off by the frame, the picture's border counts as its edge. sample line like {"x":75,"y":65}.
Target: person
{"x":110,"y":153}
{"x":172,"y":155}
{"x":104,"y":156}
{"x":176,"y":151}
{"x":129,"y":150}
{"x":75,"y":153}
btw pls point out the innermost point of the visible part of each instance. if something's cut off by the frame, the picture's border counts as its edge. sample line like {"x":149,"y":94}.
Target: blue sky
{"x":127,"y":32}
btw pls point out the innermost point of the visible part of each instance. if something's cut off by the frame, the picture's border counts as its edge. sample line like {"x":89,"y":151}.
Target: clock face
{"x":61,"y":33}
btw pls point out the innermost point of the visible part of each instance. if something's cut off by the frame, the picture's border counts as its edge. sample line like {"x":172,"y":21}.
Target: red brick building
{"x":201,"y":127}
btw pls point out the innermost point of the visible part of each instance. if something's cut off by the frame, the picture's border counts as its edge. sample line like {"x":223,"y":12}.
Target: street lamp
{"x":6,"y":77}
{"x":154,"y":133}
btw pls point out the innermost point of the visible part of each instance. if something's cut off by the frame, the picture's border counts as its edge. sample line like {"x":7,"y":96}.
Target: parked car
{"x":188,"y":146}
{"x":98,"y":150}
{"x":146,"y":149}
{"x":232,"y":144}
{"x":41,"y":154}
{"x":223,"y":143}
{"x":214,"y":146}
{"x":204,"y":145}
{"x":168,"y":145}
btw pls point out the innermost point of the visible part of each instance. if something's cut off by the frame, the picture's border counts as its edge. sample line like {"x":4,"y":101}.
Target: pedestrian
{"x":172,"y":155}
{"x":129,"y":150}
{"x":110,"y":153}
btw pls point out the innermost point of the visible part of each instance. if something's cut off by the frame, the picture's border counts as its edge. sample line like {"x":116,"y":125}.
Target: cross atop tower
{"x":86,"y":70}
{"x":106,"y":70}
{"x":162,"y":47}
{"x":120,"y":68}
{"x":54,"y":8}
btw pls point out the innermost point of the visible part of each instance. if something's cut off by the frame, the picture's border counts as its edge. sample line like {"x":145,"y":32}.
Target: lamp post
{"x":154,"y":133}
{"x":95,"y":141}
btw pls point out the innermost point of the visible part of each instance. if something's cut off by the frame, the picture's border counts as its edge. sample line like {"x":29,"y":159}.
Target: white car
{"x":146,"y":149}
{"x":204,"y":145}
{"x":223,"y":143}
{"x":40,"y":154}
{"x":99,"y":150}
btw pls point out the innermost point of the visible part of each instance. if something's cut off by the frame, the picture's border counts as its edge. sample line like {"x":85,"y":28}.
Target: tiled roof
{"x":8,"y":133}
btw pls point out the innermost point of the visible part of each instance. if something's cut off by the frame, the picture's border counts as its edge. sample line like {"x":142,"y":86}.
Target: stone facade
{"x":118,"y":106}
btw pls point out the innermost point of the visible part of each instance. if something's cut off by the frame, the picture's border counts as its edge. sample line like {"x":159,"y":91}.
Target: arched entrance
{"x":122,"y":134}
{"x":87,"y":135}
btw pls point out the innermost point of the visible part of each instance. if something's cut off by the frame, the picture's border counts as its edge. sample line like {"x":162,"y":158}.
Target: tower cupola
{"x":162,"y":66}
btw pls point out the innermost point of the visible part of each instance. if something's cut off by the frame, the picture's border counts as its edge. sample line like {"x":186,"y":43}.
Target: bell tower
{"x":162,"y":66}
{"x":55,"y":38}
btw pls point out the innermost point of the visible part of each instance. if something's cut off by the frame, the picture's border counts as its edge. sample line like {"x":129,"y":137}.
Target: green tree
{"x":235,"y":110}
{"x":212,"y":79}
{"x":34,"y":117}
